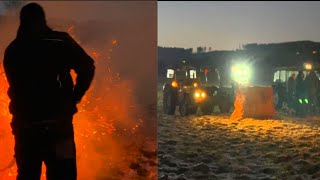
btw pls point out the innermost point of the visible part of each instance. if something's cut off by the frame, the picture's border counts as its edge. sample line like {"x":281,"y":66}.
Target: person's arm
{"x":6,"y":66}
{"x":83,"y":65}
{"x":8,"y":70}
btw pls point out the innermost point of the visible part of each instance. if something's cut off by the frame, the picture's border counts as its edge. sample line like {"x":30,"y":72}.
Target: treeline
{"x":262,"y":57}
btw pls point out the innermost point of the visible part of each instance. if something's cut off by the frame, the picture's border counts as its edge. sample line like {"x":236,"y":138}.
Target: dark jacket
{"x":38,"y":72}
{"x":312,"y":83}
{"x":301,"y":89}
{"x":291,"y":86}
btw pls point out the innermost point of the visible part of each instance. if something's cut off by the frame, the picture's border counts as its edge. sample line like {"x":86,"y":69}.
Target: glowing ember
{"x":69,"y":30}
{"x":115,"y":42}
{"x":95,"y":55}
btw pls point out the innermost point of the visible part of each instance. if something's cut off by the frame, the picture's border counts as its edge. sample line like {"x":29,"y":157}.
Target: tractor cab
{"x":209,"y":75}
{"x":183,"y":76}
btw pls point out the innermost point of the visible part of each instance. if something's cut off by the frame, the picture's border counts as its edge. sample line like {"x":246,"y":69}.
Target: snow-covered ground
{"x":216,"y":147}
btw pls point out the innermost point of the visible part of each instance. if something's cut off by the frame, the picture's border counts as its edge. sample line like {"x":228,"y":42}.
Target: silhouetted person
{"x":43,"y":97}
{"x":300,"y":85}
{"x":291,"y":89}
{"x":301,"y":93}
{"x":292,"y":84}
{"x":313,"y":84}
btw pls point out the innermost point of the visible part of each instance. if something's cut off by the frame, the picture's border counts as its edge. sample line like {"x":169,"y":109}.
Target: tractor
{"x":184,"y":88}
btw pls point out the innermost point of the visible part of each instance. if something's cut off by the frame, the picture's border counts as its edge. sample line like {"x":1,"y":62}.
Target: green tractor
{"x":185,"y":89}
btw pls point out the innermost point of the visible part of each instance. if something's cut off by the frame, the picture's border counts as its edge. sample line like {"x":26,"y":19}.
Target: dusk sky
{"x":90,"y":10}
{"x":221,"y":25}
{"x":225,"y":25}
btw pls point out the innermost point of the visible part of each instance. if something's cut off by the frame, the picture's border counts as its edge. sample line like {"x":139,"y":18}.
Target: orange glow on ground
{"x":271,"y":128}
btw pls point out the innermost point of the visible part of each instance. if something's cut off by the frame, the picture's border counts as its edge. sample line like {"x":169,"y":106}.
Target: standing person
{"x":312,"y":84}
{"x":300,"y":85}
{"x":291,"y":88}
{"x":43,"y":97}
{"x":292,"y":84}
{"x":300,"y":93}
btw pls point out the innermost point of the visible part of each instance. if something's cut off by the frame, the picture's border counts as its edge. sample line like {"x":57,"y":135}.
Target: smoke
{"x":113,"y":120}
{"x":134,"y":23}
{"x":135,"y":26}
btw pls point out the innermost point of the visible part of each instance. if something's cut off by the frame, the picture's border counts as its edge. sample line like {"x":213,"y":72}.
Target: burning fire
{"x":106,"y":122}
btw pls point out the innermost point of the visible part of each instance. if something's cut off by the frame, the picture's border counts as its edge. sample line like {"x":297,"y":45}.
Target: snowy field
{"x":216,"y":147}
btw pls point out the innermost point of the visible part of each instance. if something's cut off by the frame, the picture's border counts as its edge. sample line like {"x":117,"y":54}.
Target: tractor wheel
{"x":169,"y":101}
{"x":185,"y":107}
{"x":193,"y":110}
{"x":206,"y":109}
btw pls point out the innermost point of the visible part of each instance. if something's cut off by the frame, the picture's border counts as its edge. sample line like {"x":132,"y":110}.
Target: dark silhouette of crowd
{"x":303,"y":92}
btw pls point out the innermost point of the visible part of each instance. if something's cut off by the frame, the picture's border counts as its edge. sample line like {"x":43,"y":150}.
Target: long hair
{"x":32,"y":21}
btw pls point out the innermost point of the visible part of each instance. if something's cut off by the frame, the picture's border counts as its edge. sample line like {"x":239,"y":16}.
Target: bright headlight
{"x":241,"y":73}
{"x":308,"y":66}
{"x":200,"y":95}
{"x":174,"y":84}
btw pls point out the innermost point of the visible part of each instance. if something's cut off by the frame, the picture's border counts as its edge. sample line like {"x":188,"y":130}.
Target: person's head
{"x":293,"y":75}
{"x":300,"y":75}
{"x":312,"y":75}
{"x":32,"y":14}
{"x":32,"y":20}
